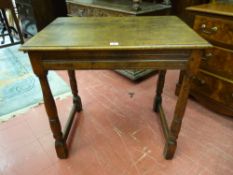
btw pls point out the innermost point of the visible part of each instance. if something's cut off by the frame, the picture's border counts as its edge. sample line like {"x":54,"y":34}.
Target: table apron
{"x":113,"y":64}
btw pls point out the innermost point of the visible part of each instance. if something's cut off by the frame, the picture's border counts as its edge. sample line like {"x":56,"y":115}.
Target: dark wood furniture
{"x":34,"y":15}
{"x":101,"y":8}
{"x":179,"y":9}
{"x":213,"y":85}
{"x":116,"y":43}
{"x":114,"y":8}
{"x":5,"y":28}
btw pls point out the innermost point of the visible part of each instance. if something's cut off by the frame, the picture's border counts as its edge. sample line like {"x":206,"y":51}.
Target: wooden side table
{"x":120,"y":8}
{"x":116,"y":43}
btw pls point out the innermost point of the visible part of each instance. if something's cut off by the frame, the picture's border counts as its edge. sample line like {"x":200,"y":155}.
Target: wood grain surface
{"x":116,"y":33}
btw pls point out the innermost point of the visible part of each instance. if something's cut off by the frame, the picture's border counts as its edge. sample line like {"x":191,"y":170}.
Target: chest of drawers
{"x":213,"y":86}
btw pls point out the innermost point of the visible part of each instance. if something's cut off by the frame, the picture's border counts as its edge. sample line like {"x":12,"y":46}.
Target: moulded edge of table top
{"x":155,"y":47}
{"x":214,"y":8}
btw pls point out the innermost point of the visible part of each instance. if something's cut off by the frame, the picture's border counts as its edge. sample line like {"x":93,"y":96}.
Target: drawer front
{"x":219,"y":61}
{"x":84,"y":11}
{"x":217,"y":30}
{"x":216,"y":89}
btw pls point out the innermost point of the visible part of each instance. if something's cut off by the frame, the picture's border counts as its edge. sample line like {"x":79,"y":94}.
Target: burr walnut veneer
{"x":213,"y":85}
{"x":116,"y":43}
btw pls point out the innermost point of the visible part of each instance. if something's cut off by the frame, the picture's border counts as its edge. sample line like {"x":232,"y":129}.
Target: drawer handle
{"x":206,"y":30}
{"x":202,"y":81}
{"x":207,"y":56}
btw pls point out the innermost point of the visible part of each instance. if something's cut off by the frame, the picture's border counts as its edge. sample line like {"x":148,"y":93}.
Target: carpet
{"x":19,"y":87}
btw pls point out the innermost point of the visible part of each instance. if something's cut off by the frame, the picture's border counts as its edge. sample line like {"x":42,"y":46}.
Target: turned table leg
{"x":159,"y":90}
{"x":171,"y":143}
{"x":74,"y":89}
{"x":191,"y":70}
{"x":54,"y":122}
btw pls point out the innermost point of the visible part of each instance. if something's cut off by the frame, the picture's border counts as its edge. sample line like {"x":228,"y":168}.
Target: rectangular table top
{"x":113,"y":33}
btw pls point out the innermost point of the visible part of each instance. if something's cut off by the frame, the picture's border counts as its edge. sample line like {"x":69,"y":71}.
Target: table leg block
{"x":169,"y":149}
{"x":61,"y":149}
